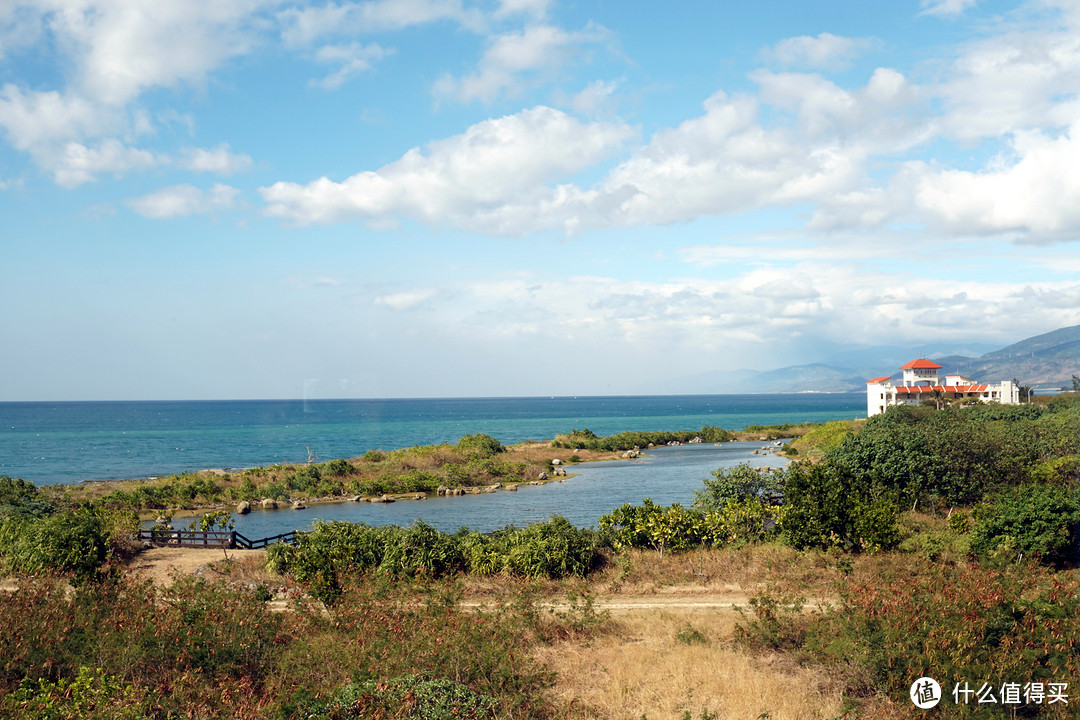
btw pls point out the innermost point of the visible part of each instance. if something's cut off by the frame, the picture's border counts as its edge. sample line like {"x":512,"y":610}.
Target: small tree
{"x":215,"y":519}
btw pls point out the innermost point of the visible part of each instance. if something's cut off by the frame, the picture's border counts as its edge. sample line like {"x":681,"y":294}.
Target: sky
{"x":432,"y":198}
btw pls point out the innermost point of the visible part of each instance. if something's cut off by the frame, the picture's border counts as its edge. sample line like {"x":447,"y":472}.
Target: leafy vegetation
{"x":587,"y":439}
{"x":325,"y":558}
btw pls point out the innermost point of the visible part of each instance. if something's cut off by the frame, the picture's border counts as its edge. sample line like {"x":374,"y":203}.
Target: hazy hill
{"x":1046,"y":361}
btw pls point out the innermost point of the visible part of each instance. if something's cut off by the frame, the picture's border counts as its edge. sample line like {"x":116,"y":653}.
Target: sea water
{"x":49,"y":443}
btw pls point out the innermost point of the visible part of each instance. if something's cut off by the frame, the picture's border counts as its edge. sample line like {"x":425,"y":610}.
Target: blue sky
{"x":415,"y":198}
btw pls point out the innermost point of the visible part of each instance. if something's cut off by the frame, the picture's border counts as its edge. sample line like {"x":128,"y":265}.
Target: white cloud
{"x":534,"y":8}
{"x":350,"y":60}
{"x":595,"y":99}
{"x":78,"y":163}
{"x":303,"y":26}
{"x":406,"y":300}
{"x":33,"y":119}
{"x":824,"y":51}
{"x":1013,"y":81}
{"x":465,"y":179}
{"x":947,"y":7}
{"x":123,"y":48}
{"x":112,"y":52}
{"x":761,"y":312}
{"x":721,"y":162}
{"x":184,"y":201}
{"x":220,"y":160}
{"x":513,"y":58}
{"x":1034,"y":193}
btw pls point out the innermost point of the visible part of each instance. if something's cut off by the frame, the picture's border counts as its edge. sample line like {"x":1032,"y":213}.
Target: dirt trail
{"x":161,"y":564}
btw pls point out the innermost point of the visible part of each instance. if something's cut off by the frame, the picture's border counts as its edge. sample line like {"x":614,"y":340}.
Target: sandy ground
{"x":162,"y":564}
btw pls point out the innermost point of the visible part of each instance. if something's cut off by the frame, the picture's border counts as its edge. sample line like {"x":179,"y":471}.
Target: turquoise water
{"x":50,"y":443}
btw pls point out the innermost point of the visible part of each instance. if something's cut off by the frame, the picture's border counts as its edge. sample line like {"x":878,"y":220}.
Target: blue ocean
{"x":55,"y":443}
{"x":68,"y":442}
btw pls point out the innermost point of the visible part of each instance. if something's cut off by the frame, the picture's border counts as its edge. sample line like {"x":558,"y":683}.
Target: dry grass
{"x":638,"y":667}
{"x":719,"y":571}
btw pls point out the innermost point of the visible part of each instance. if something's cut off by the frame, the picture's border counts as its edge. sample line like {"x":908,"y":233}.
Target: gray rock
{"x":243,"y":508}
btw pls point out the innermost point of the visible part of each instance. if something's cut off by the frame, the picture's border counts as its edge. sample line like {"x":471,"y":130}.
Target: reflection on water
{"x":670,"y":475}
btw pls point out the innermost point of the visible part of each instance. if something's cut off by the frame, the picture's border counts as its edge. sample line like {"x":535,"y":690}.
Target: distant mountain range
{"x":1046,"y":361}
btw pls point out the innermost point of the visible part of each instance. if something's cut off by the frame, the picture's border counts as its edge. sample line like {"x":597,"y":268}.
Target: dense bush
{"x":677,"y":528}
{"x":19,"y":497}
{"x":481,"y":444}
{"x":629,"y":440}
{"x":77,"y":541}
{"x":334,"y":551}
{"x":958,"y":455}
{"x":737,"y":484}
{"x":1035,"y":521}
{"x":407,"y":696}
{"x":826,"y":505}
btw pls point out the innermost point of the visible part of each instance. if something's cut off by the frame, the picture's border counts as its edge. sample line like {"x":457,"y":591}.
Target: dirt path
{"x":161,"y":564}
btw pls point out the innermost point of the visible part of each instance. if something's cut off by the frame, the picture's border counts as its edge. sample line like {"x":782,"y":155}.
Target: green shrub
{"x":409,"y":696}
{"x":19,"y":497}
{"x":1036,"y":521}
{"x":827,"y":506}
{"x":77,"y":542}
{"x":481,"y":444}
{"x":338,"y":468}
{"x":737,"y":483}
{"x":553,"y":549}
{"x":91,"y":695}
{"x":374,"y":456}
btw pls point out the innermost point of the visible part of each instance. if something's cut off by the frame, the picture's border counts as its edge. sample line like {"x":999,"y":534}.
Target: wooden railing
{"x":228,"y":539}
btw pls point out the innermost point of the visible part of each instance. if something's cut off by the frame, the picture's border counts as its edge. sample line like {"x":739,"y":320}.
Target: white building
{"x":921,"y":382}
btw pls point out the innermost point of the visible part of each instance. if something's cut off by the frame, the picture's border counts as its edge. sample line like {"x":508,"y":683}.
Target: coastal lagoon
{"x":667,"y":475}
{"x":49,"y":443}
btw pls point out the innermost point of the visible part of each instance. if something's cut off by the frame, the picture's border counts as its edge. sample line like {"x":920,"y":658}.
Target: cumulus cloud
{"x":512,"y":58}
{"x":220,"y":160}
{"x":184,"y":201}
{"x":33,"y":119}
{"x":1034,"y":193}
{"x":120,"y":49}
{"x":465,"y":178}
{"x":1012,"y":81}
{"x":78,"y":163}
{"x":114,"y":52}
{"x":823,"y":51}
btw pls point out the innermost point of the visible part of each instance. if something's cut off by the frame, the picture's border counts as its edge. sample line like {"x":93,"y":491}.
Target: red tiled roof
{"x":877,"y":380}
{"x":921,"y":364}
{"x":919,"y":389}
